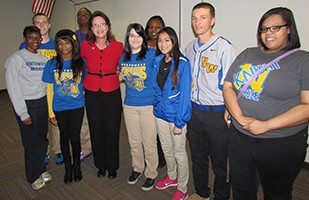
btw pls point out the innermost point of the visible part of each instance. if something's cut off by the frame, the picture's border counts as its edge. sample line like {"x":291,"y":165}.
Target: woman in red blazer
{"x":102,"y":93}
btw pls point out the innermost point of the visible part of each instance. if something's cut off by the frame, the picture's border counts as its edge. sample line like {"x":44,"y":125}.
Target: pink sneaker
{"x":165,"y":183}
{"x":179,"y":195}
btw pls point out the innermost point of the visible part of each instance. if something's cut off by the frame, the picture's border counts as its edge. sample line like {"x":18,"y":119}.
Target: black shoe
{"x":134,"y":177}
{"x":101,"y":172}
{"x":68,"y":176}
{"x":112,"y":175}
{"x":149,"y":183}
{"x":77,"y":173}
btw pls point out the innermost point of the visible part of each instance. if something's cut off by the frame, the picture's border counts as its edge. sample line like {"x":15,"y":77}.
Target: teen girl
{"x":64,"y":75}
{"x":136,"y":66}
{"x":172,"y":109}
{"x":153,"y":26}
{"x":28,"y":95}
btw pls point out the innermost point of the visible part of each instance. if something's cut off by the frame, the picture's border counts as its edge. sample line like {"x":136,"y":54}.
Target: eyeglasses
{"x":271,"y":28}
{"x":99,"y":25}
{"x":35,"y":38}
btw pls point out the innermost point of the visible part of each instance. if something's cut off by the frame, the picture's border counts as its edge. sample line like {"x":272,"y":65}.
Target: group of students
{"x":242,"y":109}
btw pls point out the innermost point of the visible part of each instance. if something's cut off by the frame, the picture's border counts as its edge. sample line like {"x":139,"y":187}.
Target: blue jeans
{"x":34,"y":138}
{"x":273,"y":162}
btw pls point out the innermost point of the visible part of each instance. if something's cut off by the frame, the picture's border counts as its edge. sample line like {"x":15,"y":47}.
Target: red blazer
{"x":101,"y":61}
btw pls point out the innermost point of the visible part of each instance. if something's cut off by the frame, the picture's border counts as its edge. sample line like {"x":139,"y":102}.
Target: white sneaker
{"x":46,"y":177}
{"x":38,"y":184}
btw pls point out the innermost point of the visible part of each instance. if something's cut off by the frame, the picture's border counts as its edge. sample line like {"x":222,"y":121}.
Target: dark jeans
{"x":275,"y":162}
{"x":34,"y":138}
{"x":70,"y":123}
{"x":104,"y":117}
{"x":207,"y":134}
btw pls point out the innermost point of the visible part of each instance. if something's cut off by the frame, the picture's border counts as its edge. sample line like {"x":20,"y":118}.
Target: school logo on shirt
{"x":134,"y":75}
{"x":68,"y":86}
{"x":48,"y":53}
{"x":256,"y":87}
{"x":36,"y":66}
{"x":210,"y":68}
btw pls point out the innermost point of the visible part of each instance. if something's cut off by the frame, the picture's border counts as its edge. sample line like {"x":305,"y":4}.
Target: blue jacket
{"x":173,"y":104}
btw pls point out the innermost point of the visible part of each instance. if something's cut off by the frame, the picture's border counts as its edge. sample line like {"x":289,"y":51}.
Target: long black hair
{"x":287,"y":16}
{"x":175,"y":51}
{"x":127,"y":50}
{"x":78,"y":65}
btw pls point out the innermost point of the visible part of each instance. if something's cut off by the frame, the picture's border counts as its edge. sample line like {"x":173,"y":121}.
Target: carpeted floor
{"x":13,"y":184}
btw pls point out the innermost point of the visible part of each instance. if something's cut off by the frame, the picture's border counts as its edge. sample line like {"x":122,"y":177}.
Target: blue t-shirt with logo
{"x":68,"y":92}
{"x":138,"y":76}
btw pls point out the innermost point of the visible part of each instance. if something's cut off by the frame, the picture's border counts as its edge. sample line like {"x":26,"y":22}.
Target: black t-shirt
{"x":163,"y":73}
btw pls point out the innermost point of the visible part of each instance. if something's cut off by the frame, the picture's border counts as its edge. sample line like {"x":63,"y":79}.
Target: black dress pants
{"x":104,"y":117}
{"x":207,"y":134}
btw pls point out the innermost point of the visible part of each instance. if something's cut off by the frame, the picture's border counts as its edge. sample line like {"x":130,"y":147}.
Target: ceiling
{"x":79,"y":2}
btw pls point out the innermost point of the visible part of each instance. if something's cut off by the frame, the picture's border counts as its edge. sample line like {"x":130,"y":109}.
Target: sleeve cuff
{"x":24,"y":116}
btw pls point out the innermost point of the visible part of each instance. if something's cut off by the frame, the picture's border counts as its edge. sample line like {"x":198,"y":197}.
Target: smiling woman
{"x":274,"y":33}
{"x":102,"y":94}
{"x":27,"y":92}
{"x":272,"y":113}
{"x":33,"y":41}
{"x":153,"y":26}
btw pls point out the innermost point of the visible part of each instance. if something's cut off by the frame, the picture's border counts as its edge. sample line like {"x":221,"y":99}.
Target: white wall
{"x":14,"y":16}
{"x":236,"y":20}
{"x":63,"y":17}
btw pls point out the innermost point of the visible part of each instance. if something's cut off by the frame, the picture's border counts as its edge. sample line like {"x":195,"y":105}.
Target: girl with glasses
{"x":102,"y":93}
{"x":268,"y":134}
